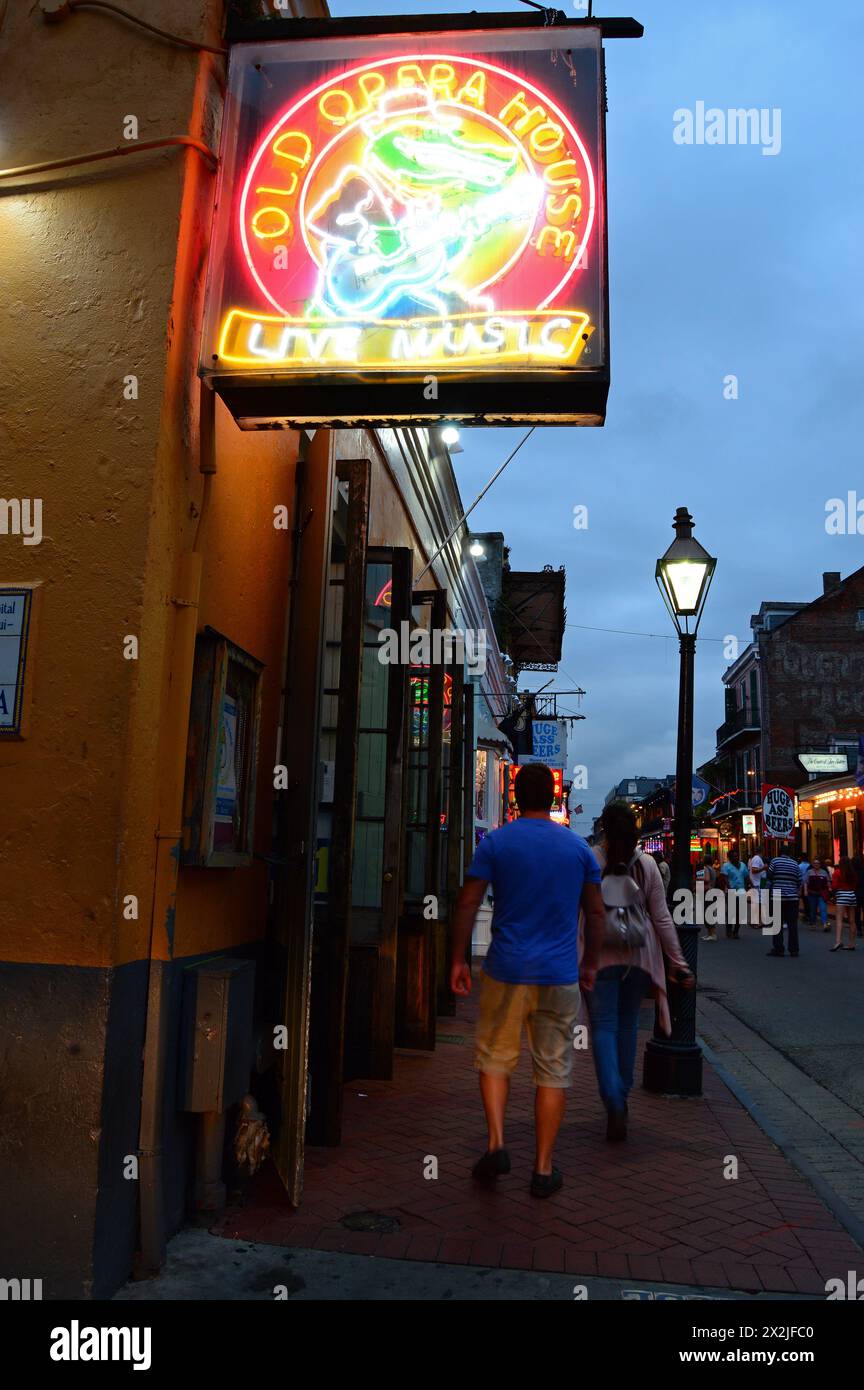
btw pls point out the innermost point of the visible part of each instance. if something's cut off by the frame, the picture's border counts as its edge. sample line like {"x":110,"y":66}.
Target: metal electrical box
{"x":216,"y":1050}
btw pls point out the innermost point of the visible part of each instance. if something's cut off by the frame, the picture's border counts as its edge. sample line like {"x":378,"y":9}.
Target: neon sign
{"x":419,"y":692}
{"x":558,"y":810}
{"x":411,"y":212}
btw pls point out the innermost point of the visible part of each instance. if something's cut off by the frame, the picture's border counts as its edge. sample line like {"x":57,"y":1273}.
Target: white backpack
{"x":626,"y":912}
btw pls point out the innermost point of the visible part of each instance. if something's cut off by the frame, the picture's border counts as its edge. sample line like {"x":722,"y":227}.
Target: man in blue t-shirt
{"x":738,"y":881}
{"x":541,"y":875}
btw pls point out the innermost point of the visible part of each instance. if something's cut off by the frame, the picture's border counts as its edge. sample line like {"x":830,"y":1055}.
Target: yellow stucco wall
{"x":102,"y":269}
{"x":245,"y":589}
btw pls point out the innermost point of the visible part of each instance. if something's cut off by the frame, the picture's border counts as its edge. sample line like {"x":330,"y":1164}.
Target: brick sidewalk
{"x":657,"y":1208}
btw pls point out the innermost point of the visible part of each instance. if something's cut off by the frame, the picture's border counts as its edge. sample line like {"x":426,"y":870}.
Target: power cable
{"x":117,"y":152}
{"x":55,"y":10}
{"x":477,"y":499}
{"x":625,"y":632}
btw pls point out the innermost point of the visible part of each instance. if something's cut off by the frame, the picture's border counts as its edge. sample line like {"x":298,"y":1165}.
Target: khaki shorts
{"x":549,"y":1014}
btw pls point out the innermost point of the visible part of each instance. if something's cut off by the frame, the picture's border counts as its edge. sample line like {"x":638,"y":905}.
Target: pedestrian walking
{"x":783,"y":876}
{"x":706,"y":874}
{"x":858,"y":865}
{"x":829,"y":866}
{"x":665,"y":872}
{"x":816,"y":888}
{"x":737,"y":881}
{"x":758,"y":878}
{"x":844,"y":888}
{"x":541,"y":875}
{"x":639,"y":934}
{"x":803,"y":871}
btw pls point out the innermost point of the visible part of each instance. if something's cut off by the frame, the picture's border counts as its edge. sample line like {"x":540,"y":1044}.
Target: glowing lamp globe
{"x":684,"y":573}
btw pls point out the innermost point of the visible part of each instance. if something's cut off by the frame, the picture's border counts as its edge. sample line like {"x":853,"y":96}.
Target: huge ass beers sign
{"x":412,"y":228}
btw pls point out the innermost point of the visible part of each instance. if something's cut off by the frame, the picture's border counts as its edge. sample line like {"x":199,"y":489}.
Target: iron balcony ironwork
{"x":742,"y":722}
{"x":749,"y":800}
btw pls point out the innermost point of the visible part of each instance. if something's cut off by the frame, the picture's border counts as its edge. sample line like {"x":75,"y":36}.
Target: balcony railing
{"x":738,"y":800}
{"x":741,"y":722}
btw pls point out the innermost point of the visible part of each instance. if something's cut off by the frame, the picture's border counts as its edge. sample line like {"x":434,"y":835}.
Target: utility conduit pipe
{"x":172,"y":772}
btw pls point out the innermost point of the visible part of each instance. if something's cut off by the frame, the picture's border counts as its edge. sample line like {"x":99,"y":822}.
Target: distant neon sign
{"x":558,"y":810}
{"x":416,"y":212}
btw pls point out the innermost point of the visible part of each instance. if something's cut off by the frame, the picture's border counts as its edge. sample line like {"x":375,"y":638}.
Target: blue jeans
{"x":815,"y":904}
{"x":613,"y":1007}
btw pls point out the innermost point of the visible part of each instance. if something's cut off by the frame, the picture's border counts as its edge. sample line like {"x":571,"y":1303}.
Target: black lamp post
{"x":674,"y":1065}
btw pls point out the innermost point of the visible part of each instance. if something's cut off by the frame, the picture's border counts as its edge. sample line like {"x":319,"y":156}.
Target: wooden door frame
{"x":468,"y":776}
{"x":438,"y":621}
{"x":446,"y":1000}
{"x":357,"y":473}
{"x":294,"y":834}
{"x":424,"y":1038}
{"x":384,"y":1019}
{"x":469,"y":765}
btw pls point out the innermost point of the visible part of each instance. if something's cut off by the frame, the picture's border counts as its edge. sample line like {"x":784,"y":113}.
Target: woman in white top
{"x":626,"y":974}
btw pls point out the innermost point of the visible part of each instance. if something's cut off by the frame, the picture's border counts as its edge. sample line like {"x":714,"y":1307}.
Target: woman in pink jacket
{"x":626,"y":974}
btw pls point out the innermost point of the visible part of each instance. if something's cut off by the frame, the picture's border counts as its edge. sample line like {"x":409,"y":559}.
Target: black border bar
{"x":260,"y":30}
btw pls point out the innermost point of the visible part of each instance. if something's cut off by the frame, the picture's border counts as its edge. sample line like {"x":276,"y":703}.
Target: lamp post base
{"x":673,"y":1065}
{"x":672,"y":1069}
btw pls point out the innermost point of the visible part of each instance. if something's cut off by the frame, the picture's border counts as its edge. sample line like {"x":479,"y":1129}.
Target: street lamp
{"x":683,"y":576}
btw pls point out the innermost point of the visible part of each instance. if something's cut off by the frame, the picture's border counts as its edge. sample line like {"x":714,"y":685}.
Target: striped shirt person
{"x":784,"y":878}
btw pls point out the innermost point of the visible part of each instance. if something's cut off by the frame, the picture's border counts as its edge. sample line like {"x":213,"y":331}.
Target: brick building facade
{"x":812,"y":678}
{"x":797,"y":687}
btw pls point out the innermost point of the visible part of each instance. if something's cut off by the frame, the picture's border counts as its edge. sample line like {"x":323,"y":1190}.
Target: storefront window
{"x":480,"y":784}
{"x":418,"y":769}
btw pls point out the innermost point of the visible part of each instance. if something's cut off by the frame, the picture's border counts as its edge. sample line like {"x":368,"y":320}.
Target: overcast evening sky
{"x":722,"y":260}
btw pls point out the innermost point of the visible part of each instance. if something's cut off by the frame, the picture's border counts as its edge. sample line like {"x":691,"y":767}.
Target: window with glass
{"x":368,"y":864}
{"x":481,"y":775}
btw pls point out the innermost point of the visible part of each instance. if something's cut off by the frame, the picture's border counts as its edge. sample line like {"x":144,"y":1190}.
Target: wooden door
{"x":337,"y":782}
{"x":295,"y":819}
{"x":452,"y":815}
{"x":416,"y":962}
{"x":377,"y":871}
{"x":468,"y":775}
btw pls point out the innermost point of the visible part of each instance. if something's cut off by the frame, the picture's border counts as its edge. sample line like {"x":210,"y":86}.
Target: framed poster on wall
{"x":221,"y":754}
{"x":19,"y":609}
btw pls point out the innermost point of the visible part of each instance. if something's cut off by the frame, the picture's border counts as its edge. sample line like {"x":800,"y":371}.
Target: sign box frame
{"x":297,"y":391}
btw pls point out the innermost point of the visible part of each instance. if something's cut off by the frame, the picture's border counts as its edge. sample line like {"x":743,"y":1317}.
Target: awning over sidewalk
{"x":488,"y":734}
{"x":842,"y":788}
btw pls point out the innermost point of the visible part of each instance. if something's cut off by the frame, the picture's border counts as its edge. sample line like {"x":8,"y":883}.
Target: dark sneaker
{"x":616,"y":1126}
{"x":491,"y":1166}
{"x":544,"y":1184}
